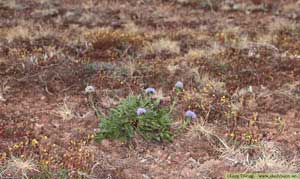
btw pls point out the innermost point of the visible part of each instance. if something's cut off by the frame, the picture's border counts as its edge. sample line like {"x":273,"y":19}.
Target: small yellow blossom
{"x":16,"y":146}
{"x":34,"y":142}
{"x":223,"y":99}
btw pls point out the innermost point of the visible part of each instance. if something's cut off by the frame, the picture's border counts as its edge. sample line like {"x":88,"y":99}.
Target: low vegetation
{"x":137,"y":115}
{"x":148,"y":89}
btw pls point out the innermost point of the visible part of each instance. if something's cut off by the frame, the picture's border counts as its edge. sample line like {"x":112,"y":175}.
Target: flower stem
{"x":92,"y":103}
{"x":174,"y":102}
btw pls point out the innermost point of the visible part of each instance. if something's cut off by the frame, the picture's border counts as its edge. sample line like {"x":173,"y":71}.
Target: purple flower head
{"x":190,"y":114}
{"x":141,"y":111}
{"x":150,"y":91}
{"x":179,"y":85}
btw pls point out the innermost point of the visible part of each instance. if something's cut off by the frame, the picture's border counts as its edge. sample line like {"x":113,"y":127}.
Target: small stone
{"x":90,"y":89}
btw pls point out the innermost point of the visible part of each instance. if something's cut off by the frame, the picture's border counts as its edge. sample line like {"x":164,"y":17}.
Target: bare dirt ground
{"x":239,"y":61}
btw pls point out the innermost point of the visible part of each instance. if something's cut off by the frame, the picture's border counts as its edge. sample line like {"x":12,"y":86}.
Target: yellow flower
{"x":45,"y":162}
{"x":16,"y":146}
{"x":34,"y":142}
{"x":45,"y":137}
{"x":223,"y":99}
{"x":92,"y":136}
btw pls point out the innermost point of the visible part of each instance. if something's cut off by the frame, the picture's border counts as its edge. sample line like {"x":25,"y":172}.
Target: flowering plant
{"x":150,"y":90}
{"x":190,"y":114}
{"x":136,"y":115}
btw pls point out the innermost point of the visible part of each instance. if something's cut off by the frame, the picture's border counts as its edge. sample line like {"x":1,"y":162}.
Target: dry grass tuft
{"x":195,"y":54}
{"x":215,"y":48}
{"x":266,"y":39}
{"x":26,"y":30}
{"x":131,"y":67}
{"x":131,"y":27}
{"x":172,"y":68}
{"x":18,"y":168}
{"x":242,"y":43}
{"x":105,"y":38}
{"x":162,"y":45}
{"x":217,"y":86}
{"x":65,"y":112}
{"x":272,"y":160}
{"x":291,"y":7}
{"x":280,"y":24}
{"x":207,"y":4}
{"x":11,"y":4}
{"x":17,"y":32}
{"x":290,"y":90}
{"x":199,"y":130}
